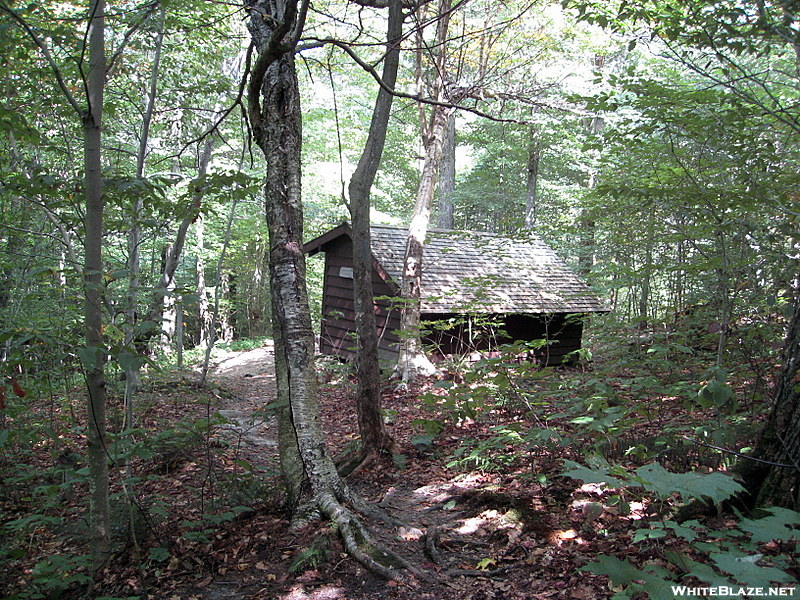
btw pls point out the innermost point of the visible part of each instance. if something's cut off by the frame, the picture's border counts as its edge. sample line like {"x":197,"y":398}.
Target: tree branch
{"x":464,"y":92}
{"x":39,"y":42}
{"x":272,"y":50}
{"x":128,"y":34}
{"x":224,"y":114}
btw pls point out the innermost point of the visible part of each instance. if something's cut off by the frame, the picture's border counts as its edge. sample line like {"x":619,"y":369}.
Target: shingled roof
{"x":479,"y":272}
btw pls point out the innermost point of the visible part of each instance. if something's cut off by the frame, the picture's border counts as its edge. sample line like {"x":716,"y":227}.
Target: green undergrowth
{"x":744,"y":552}
{"x":177,"y":481}
{"x":650,"y":425}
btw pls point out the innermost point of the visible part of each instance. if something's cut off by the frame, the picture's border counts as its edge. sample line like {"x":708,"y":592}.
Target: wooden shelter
{"x":478,"y":290}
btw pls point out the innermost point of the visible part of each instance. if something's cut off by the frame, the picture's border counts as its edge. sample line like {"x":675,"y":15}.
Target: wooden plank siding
{"x":337,"y":334}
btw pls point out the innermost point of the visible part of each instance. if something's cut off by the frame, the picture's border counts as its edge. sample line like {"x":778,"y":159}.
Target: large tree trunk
{"x":99,"y":519}
{"x":275,"y":118}
{"x":279,"y":136}
{"x":412,"y":362}
{"x":374,"y":438}
{"x":773,"y":478}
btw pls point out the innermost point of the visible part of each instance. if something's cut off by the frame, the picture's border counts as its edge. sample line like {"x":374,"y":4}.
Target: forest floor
{"x":209,"y":521}
{"x":499,"y":536}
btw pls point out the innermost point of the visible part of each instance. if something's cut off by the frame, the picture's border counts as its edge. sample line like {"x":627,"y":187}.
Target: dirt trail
{"x":462,"y":518}
{"x":250,"y":376}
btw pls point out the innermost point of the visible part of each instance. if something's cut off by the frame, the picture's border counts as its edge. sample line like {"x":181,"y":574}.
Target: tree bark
{"x":412,"y":361}
{"x":99,"y":519}
{"x":275,"y":119}
{"x":447,"y":177}
{"x":777,"y":481}
{"x":280,"y":137}
{"x":374,"y":438}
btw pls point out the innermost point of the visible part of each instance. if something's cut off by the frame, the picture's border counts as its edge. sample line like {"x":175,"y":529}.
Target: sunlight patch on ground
{"x":593,"y":510}
{"x":256,"y":359}
{"x":593,"y":488}
{"x":569,"y":534}
{"x":439,"y":492}
{"x":558,"y":538}
{"x":323,"y":593}
{"x":493,"y":520}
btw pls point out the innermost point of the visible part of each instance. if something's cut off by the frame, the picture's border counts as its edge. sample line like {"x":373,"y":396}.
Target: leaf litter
{"x":213,"y":524}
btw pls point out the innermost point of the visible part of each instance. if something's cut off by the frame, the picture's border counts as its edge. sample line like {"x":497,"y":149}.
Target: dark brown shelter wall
{"x":337,"y":335}
{"x":460,"y":334}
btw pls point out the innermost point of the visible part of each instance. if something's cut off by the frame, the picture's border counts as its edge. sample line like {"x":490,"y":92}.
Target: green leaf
{"x":656,"y":581}
{"x":746,"y":570}
{"x":715,"y":486}
{"x":142,"y":451}
{"x":597,"y":475}
{"x":683,"y":531}
{"x":649,"y":534}
{"x":422,"y":442}
{"x":715,"y":394}
{"x":775,"y":527}
{"x":400,"y":461}
{"x":159,"y":554}
{"x":90,"y":357}
{"x":129,"y":361}
{"x":703,"y":572}
{"x":620,"y":572}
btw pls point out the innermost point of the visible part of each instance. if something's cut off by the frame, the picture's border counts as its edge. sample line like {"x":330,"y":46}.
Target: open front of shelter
{"x":479,"y":290}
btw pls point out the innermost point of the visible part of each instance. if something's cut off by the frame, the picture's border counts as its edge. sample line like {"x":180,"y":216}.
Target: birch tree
{"x":311,"y":479}
{"x":412,"y":361}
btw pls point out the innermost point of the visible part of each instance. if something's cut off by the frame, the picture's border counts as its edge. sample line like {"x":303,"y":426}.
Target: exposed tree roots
{"x":431,"y":545}
{"x":360,"y":545}
{"x":411,"y":368}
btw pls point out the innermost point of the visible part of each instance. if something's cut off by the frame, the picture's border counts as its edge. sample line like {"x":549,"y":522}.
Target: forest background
{"x":650,"y":144}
